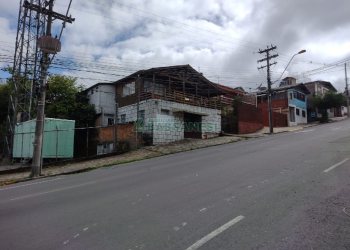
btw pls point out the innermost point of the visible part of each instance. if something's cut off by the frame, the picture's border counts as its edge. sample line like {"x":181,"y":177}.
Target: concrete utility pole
{"x":49,"y":46}
{"x":347,"y":90}
{"x":268,"y":65}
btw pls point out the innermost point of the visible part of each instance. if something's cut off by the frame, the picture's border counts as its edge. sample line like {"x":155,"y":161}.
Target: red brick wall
{"x":279,"y":119}
{"x":249,"y":119}
{"x":125,"y":132}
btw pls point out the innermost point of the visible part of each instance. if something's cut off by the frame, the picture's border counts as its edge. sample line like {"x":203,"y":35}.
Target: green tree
{"x":65,"y":101}
{"x":4,"y":99}
{"x":329,"y":100}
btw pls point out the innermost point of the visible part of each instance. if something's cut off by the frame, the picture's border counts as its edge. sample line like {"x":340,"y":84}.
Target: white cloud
{"x":219,"y":37}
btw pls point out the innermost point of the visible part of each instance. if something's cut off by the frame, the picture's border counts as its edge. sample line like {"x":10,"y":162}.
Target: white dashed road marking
{"x":215,"y":233}
{"x":30,"y":184}
{"x":336,"y":165}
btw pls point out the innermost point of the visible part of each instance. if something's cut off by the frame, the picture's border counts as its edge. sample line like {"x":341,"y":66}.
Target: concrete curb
{"x":65,"y":171}
{"x":157,"y":153}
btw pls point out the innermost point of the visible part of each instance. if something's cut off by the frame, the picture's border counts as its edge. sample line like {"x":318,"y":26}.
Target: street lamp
{"x":269,"y":91}
{"x":300,"y":52}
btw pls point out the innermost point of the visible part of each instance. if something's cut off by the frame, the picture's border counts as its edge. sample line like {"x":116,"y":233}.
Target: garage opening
{"x":192,"y":125}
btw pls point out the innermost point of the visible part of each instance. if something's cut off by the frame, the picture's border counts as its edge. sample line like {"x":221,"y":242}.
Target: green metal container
{"x":58,"y":139}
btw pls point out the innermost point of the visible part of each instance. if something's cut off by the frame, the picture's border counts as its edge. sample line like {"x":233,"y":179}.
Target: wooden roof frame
{"x":179,"y":74}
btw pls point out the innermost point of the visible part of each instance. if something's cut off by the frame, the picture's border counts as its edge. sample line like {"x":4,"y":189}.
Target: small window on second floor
{"x":297,"y":111}
{"x":123,"y":118}
{"x":129,"y":89}
{"x":303,"y":113}
{"x":141,"y":115}
{"x":110,"y":121}
{"x":164,"y":111}
{"x":291,"y":96}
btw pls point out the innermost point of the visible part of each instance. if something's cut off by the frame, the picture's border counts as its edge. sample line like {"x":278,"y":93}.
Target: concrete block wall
{"x":165,"y":118}
{"x":168,"y":128}
{"x":211,"y":121}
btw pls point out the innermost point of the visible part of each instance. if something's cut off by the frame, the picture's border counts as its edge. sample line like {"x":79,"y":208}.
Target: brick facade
{"x":249,"y":119}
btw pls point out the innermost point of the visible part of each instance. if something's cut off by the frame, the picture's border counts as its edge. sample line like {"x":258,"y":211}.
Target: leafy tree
{"x":4,"y":99}
{"x":329,"y":100}
{"x":64,"y":101}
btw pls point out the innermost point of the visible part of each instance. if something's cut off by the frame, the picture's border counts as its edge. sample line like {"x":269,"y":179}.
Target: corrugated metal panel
{"x":58,"y":140}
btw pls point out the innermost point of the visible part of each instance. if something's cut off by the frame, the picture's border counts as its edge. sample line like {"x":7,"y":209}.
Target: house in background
{"x":102,"y":96}
{"x":320,"y":88}
{"x":289,"y":104}
{"x":170,"y":104}
{"x":243,"y":117}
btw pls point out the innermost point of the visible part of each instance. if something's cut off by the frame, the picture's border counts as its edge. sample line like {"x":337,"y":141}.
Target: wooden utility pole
{"x":49,"y":46}
{"x":269,"y":91}
{"x":347,"y":90}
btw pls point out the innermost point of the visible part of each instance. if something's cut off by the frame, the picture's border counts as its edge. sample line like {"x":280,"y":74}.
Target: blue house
{"x":289,"y":99}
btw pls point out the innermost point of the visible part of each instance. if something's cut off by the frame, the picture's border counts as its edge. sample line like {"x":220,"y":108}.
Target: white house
{"x":102,"y":96}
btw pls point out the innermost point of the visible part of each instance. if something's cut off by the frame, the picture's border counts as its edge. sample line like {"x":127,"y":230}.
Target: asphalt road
{"x":285,"y":191}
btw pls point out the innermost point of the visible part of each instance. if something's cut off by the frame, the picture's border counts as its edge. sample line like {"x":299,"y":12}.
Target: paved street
{"x":286,"y":191}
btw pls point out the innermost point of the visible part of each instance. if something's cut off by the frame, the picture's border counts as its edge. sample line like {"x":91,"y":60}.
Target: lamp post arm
{"x":285,"y":68}
{"x":300,"y":52}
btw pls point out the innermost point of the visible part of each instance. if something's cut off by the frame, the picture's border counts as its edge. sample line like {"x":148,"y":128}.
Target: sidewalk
{"x":276,"y":130}
{"x":137,"y":155}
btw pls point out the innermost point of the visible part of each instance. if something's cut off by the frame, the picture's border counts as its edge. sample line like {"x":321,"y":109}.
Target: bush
{"x":123,"y":147}
{"x":147,"y":139}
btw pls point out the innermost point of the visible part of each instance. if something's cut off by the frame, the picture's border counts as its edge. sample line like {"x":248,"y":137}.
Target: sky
{"x":111,"y":39}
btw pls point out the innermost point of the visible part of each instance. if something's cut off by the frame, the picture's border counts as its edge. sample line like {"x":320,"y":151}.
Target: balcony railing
{"x":185,"y":98}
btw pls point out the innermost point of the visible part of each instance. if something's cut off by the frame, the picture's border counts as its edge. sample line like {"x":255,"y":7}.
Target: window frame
{"x":123,"y":118}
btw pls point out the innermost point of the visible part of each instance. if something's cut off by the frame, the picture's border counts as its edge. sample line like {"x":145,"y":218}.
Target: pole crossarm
{"x":267,"y":58}
{"x":47,"y":12}
{"x":45,"y":62}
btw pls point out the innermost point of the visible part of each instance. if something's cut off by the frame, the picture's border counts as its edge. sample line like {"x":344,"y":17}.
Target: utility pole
{"x":49,"y":46}
{"x":267,"y":58}
{"x":347,"y":90}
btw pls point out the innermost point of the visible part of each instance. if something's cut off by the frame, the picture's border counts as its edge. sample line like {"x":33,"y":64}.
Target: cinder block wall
{"x":165,"y":119}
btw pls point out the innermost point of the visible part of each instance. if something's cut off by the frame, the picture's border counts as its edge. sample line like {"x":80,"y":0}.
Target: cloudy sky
{"x":113,"y":38}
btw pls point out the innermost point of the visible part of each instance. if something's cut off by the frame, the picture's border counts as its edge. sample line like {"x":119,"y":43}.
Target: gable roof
{"x":98,"y":84}
{"x":229,"y":91}
{"x":179,"y":73}
{"x":301,"y":87}
{"x":326,"y":84}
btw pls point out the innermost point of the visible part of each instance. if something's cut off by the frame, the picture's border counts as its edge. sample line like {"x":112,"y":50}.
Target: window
{"x":164,"y":111}
{"x":141,"y":115}
{"x":297,"y":111}
{"x":291,"y":96}
{"x":303,"y":113}
{"x":123,"y":118}
{"x":295,"y":94}
{"x":291,"y":114}
{"x":110,"y":121}
{"x":129,"y":89}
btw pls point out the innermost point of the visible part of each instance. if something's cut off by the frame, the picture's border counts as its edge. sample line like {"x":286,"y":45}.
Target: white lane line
{"x":336,"y":165}
{"x":203,"y":210}
{"x":52,"y":191}
{"x":30,"y":184}
{"x":304,"y":131}
{"x":215,"y":233}
{"x":334,"y":129}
